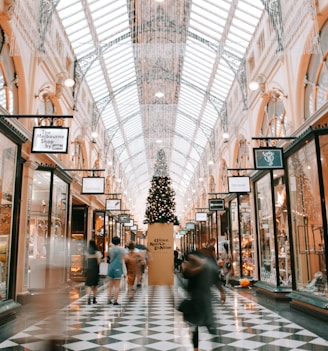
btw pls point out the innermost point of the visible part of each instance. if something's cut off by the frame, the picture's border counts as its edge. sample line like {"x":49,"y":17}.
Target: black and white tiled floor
{"x":150,"y":322}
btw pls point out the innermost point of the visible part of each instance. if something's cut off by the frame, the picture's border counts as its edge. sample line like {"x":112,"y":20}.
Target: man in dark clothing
{"x":201,"y":274}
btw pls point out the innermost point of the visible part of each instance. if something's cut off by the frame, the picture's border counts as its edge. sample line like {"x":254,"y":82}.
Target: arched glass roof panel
{"x":128,"y":42}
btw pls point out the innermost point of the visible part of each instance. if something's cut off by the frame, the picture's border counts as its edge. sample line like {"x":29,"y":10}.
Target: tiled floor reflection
{"x":151,"y":322}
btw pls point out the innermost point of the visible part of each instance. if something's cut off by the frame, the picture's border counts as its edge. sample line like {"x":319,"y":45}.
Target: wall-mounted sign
{"x":124,"y":218}
{"x":240,"y":184}
{"x":201,"y":216}
{"x":216,"y":204}
{"x":268,"y":158}
{"x":50,"y":140}
{"x":113,"y":204}
{"x":190,"y":226}
{"x":93,"y":185}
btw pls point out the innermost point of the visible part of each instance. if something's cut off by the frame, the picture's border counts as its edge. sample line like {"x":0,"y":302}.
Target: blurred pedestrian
{"x":201,"y":275}
{"x":227,"y":264}
{"x":134,"y":262}
{"x":93,"y":258}
{"x":116,"y":254}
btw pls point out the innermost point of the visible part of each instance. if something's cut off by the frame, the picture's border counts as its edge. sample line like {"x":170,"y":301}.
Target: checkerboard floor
{"x":151,"y":322}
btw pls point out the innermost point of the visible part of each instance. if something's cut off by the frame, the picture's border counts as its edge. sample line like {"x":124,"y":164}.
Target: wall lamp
{"x":225,"y":137}
{"x":272,"y":92}
{"x":258,"y":83}
{"x":63,"y":79}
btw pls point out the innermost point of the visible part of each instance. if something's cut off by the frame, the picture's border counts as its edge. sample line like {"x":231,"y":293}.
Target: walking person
{"x":134,"y":262}
{"x":227,"y":265}
{"x":93,"y":258}
{"x":116,"y":254}
{"x":201,"y":275}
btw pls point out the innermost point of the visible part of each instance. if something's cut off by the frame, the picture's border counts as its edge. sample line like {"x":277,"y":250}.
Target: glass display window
{"x":8,"y":157}
{"x":306,"y":219}
{"x":282,"y":229}
{"x":235,"y":245}
{"x":265,"y":230}
{"x":246,"y":236}
{"x":320,"y":243}
{"x":47,"y":239}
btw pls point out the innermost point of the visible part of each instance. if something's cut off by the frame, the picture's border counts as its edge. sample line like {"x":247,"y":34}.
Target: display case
{"x":77,"y":257}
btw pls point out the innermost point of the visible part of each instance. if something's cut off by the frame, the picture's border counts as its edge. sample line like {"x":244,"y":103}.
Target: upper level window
{"x":316,"y":79}
{"x":6,"y":94}
{"x":274,"y":118}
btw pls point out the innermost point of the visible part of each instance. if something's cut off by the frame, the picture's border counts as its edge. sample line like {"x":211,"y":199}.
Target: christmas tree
{"x":161,"y":199}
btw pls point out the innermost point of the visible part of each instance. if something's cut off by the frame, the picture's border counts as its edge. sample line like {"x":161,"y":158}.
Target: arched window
{"x":6,"y":94}
{"x":274,"y":116}
{"x":242,"y":154}
{"x":316,"y":79}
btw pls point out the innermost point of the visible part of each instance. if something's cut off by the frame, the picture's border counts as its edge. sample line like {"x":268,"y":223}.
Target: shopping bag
{"x":191,"y":311}
{"x":103,"y":268}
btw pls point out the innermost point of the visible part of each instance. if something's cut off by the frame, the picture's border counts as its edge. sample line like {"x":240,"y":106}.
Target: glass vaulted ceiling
{"x":176,"y":47}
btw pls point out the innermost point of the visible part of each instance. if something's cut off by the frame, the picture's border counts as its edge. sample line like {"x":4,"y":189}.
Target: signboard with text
{"x":50,"y":140}
{"x":268,"y":158}
{"x":216,"y":204}
{"x":201,"y":217}
{"x":93,"y":185}
{"x":240,"y":184}
{"x":113,"y":204}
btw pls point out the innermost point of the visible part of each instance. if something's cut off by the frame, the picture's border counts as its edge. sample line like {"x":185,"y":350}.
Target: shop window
{"x":306,"y":218}
{"x":266,"y":230}
{"x":8,"y":156}
{"x":47,"y":253}
{"x":235,"y":245}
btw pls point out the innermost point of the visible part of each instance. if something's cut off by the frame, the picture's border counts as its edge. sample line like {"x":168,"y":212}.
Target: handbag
{"x":191,"y":311}
{"x":103,"y":268}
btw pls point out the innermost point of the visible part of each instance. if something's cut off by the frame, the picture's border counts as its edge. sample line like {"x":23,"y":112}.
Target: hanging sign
{"x":93,"y":185}
{"x":268,"y":158}
{"x":239,"y":184}
{"x":190,"y":226}
{"x":216,"y":204}
{"x":124,"y":218}
{"x":129,"y":224}
{"x":50,"y":140}
{"x":113,"y":204}
{"x":201,"y":216}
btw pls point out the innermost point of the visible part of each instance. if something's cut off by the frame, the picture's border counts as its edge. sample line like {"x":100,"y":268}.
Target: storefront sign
{"x":239,"y":184}
{"x":124,"y":218}
{"x":201,"y":216}
{"x":113,"y":204}
{"x":93,"y":185}
{"x":190,"y":226}
{"x":216,"y":205}
{"x":268,"y":158}
{"x":50,"y":140}
{"x":130,"y":223}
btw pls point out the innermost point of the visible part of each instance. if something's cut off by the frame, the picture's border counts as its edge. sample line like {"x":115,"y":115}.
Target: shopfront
{"x":274,"y":264}
{"x":241,"y":237}
{"x":47,"y":217}
{"x":307,"y":167}
{"x":10,"y":187}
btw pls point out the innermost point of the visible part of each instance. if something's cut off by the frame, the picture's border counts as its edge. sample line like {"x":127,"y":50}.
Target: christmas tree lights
{"x":161,"y":198}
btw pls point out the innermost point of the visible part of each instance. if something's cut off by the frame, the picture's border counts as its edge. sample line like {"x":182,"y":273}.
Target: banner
{"x":160,"y":245}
